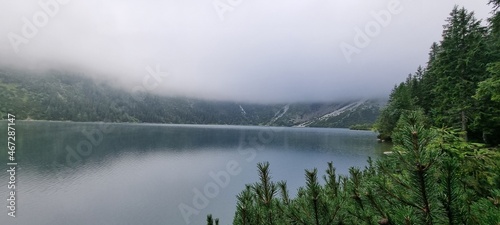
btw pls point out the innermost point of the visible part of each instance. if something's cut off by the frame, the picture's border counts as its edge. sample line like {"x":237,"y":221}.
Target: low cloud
{"x":258,"y":51}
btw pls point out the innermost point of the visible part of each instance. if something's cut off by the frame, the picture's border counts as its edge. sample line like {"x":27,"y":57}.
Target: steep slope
{"x":356,"y":113}
{"x":336,"y":114}
{"x":69,"y":97}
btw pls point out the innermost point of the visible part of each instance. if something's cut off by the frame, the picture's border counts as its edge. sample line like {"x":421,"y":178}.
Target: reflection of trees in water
{"x":47,"y":143}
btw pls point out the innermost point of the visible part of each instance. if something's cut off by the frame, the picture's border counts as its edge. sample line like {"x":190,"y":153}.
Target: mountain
{"x":63,"y":96}
{"x":335,"y":114}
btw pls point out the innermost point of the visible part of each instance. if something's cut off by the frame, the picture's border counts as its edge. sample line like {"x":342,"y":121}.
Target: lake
{"x":98,"y":173}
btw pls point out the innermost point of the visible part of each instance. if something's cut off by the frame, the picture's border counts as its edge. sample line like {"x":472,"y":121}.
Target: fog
{"x":238,"y":50}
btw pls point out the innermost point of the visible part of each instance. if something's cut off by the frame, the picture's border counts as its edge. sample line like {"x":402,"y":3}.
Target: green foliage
{"x":489,"y":89}
{"x":480,"y":164}
{"x":402,"y":99}
{"x":459,"y":87}
{"x":459,"y":67}
{"x":413,"y":187}
{"x":486,"y":209}
{"x":432,"y":177}
{"x":211,"y":221}
{"x":365,"y":126}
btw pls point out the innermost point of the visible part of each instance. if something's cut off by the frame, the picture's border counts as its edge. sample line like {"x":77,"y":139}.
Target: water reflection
{"x":94,"y":173}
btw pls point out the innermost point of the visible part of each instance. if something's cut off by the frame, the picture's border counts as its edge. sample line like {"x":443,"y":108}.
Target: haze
{"x":256,"y":51}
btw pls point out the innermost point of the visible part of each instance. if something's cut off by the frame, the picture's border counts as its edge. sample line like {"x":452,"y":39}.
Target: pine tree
{"x":265,"y":191}
{"x":459,"y":66}
{"x":487,"y":118}
{"x":430,"y":178}
{"x":488,"y":92}
{"x":245,"y":208}
{"x":210,"y":220}
{"x":428,"y":81}
{"x":335,"y":197}
{"x":413,"y":187}
{"x":402,"y":98}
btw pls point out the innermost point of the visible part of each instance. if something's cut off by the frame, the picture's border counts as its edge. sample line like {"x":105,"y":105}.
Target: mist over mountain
{"x":250,"y":51}
{"x":63,"y":96}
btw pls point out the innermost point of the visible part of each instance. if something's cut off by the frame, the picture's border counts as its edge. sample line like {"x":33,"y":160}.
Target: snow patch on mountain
{"x":243,"y":112}
{"x":279,"y":114}
{"x":336,"y":112}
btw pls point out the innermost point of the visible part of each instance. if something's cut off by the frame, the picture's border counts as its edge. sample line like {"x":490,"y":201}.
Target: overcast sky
{"x":259,"y":50}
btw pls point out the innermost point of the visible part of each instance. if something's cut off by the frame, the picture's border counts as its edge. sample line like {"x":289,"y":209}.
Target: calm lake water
{"x":96,"y":173}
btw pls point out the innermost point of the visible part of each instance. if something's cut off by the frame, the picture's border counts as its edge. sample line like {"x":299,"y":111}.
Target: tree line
{"x":66,"y":96}
{"x":460,"y":85}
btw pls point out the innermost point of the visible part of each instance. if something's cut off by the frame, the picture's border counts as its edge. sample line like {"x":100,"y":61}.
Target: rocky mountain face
{"x":336,"y":114}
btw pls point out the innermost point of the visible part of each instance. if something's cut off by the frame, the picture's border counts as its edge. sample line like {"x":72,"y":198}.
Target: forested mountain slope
{"x":56,"y":95}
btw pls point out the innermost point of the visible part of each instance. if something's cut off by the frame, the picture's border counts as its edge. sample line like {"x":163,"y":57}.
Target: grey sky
{"x":259,"y":50}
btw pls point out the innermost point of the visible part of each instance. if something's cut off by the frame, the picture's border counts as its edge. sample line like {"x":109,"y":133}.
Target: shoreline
{"x":181,"y":124}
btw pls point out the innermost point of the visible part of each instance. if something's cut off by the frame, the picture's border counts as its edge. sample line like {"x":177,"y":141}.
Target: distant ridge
{"x":68,"y":97}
